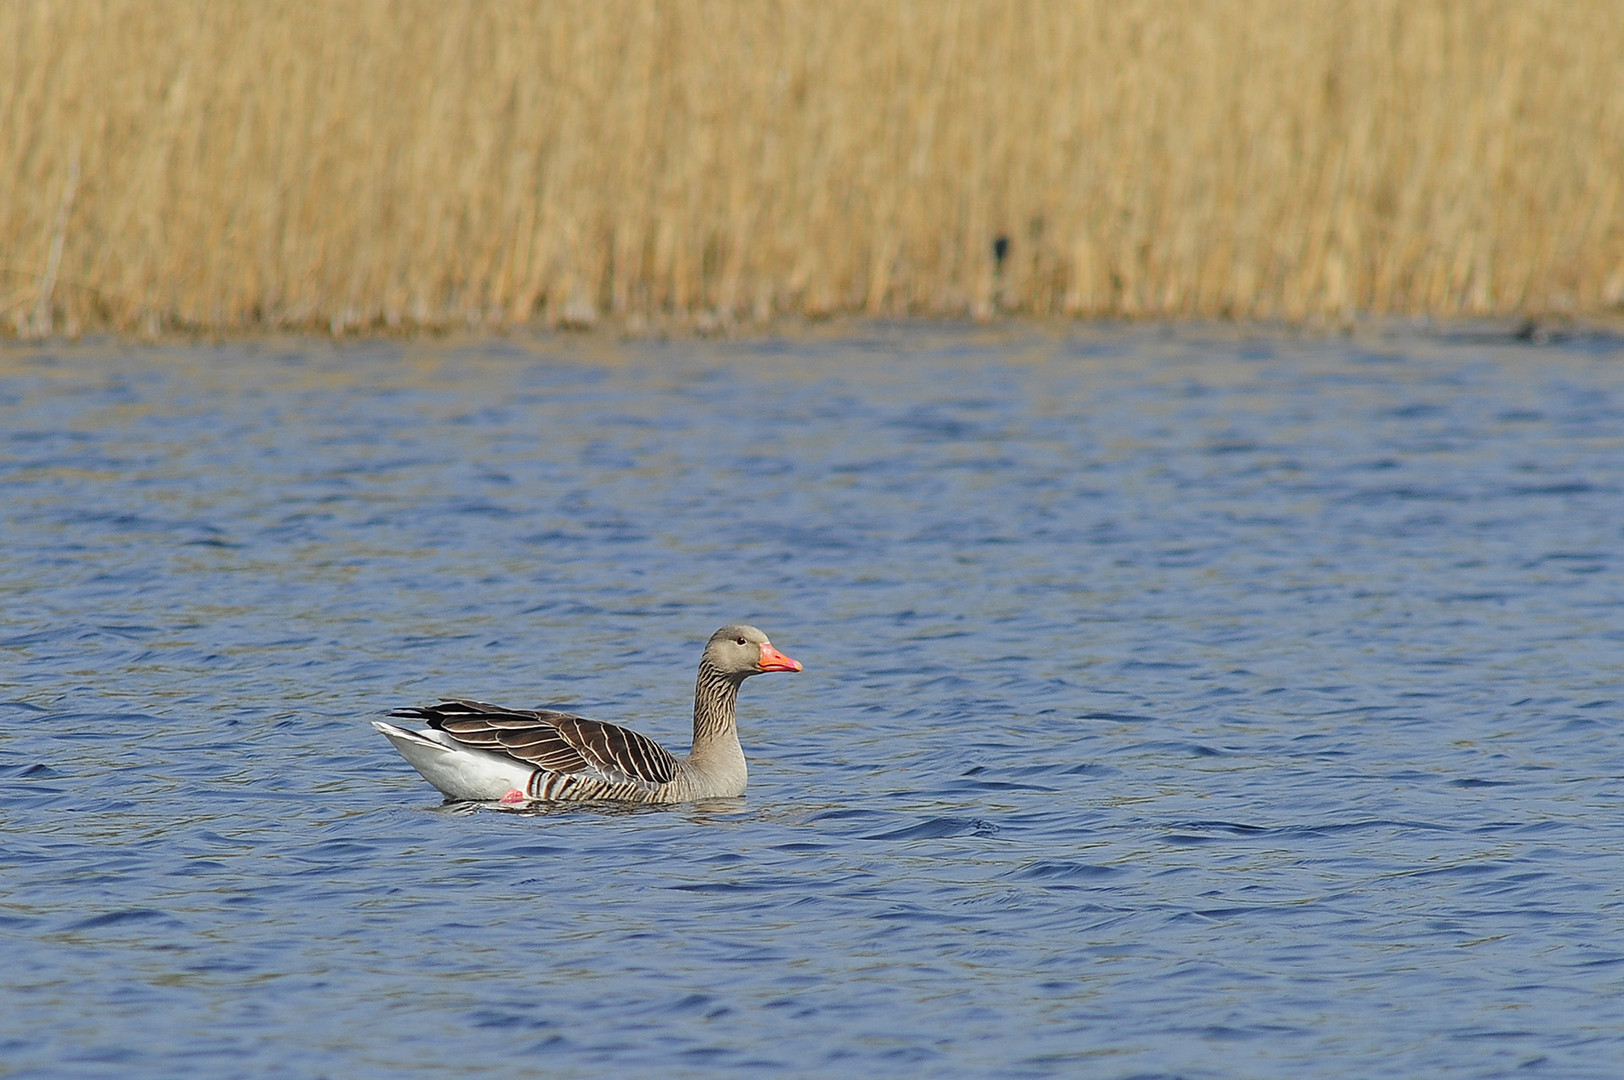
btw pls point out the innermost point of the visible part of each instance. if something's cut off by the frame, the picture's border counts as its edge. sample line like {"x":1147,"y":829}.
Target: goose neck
{"x":715,"y":696}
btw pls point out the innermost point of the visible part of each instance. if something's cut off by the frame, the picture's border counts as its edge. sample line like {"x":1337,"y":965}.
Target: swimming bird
{"x":472,"y":750}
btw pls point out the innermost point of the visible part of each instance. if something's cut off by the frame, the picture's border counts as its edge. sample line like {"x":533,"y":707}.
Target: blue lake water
{"x":1178,"y":703}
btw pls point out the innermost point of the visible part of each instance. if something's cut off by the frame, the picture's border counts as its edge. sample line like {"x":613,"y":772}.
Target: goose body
{"x":472,"y":750}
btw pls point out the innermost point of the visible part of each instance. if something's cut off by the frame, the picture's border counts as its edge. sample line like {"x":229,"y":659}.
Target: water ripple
{"x":1176,"y":704}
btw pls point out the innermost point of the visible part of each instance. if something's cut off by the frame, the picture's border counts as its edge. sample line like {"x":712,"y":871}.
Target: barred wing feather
{"x":556,"y":742}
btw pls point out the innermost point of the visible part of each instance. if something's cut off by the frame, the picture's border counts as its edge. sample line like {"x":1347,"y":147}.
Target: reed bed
{"x":373,"y":165}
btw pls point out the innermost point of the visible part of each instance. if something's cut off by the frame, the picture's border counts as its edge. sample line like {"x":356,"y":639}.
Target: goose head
{"x":740,"y":651}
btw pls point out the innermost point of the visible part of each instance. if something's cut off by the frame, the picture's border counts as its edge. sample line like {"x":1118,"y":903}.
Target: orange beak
{"x":773,"y":660}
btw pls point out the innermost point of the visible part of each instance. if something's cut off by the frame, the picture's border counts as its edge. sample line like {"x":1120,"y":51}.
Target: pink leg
{"x":515,"y":796}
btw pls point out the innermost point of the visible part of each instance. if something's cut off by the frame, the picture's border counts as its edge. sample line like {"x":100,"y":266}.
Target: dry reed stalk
{"x":383,"y":164}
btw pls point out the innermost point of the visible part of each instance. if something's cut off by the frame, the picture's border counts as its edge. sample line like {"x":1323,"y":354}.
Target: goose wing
{"x":556,"y":742}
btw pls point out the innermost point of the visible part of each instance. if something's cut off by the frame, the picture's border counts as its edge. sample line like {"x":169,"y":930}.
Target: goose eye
{"x":741,"y":641}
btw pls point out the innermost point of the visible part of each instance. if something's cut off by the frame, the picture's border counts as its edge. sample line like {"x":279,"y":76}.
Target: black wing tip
{"x":446,"y":707}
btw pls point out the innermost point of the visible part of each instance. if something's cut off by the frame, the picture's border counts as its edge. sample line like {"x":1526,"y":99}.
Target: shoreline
{"x":1507,"y":331}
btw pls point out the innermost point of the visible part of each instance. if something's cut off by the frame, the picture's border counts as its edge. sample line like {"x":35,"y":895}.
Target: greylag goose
{"x":472,"y":750}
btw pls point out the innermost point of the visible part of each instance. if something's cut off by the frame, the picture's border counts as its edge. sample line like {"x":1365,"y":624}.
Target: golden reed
{"x":359,"y":165}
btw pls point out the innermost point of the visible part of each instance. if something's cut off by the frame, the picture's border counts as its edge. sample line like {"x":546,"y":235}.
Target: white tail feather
{"x":458,"y":771}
